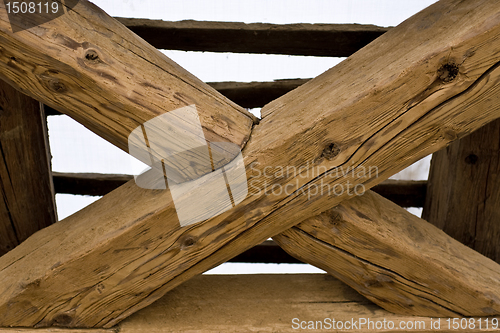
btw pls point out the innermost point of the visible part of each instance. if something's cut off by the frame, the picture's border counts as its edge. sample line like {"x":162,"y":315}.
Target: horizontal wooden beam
{"x":269,"y":303}
{"x":397,"y":260}
{"x":334,"y":40}
{"x":406,"y":193}
{"x":245,"y":94}
{"x":436,"y":79}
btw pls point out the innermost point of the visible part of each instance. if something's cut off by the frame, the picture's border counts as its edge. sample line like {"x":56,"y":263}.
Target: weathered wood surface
{"x":464,"y":190}
{"x":405,"y":193}
{"x":334,"y":40}
{"x":437,"y":79}
{"x":397,"y":260}
{"x":262,"y":303}
{"x":28,"y":203}
{"x":127,"y":81}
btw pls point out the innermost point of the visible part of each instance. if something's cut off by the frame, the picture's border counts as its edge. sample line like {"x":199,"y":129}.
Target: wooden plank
{"x":406,"y":193}
{"x":127,"y":81}
{"x":265,"y":303}
{"x":437,"y":80}
{"x":333,"y":40}
{"x":28,"y":202}
{"x":464,"y":195}
{"x":397,"y":260}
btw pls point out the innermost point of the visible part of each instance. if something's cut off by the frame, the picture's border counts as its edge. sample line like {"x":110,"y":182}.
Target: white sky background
{"x":75,"y":149}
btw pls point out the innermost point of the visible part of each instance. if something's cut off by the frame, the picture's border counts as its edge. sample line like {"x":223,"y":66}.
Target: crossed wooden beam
{"x":423,"y":84}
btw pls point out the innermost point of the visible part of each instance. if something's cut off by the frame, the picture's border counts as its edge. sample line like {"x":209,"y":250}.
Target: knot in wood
{"x":62,"y":319}
{"x":448,"y":72}
{"x":188,"y":242}
{"x":330,"y":151}
{"x":91,"y":55}
{"x":471,"y":159}
{"x":57,"y":86}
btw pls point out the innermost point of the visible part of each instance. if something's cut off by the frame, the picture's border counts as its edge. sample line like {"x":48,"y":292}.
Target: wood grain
{"x":27,"y":193}
{"x":397,"y":260}
{"x":437,"y":79}
{"x":464,"y":187}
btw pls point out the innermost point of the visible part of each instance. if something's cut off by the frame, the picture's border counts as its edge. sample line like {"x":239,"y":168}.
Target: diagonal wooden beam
{"x":436,"y":79}
{"x":27,"y":197}
{"x":127,"y":81}
{"x":397,"y":260}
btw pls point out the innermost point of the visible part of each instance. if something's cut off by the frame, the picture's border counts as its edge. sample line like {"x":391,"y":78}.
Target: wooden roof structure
{"x":124,"y":263}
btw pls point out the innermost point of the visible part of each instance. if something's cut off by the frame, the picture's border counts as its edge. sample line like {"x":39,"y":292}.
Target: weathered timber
{"x":436,"y":79}
{"x":334,"y":40}
{"x":28,"y":202}
{"x":406,"y":193}
{"x":264,"y":303}
{"x":246,"y":94}
{"x":397,"y":260}
{"x":464,"y":190}
{"x":127,"y":81}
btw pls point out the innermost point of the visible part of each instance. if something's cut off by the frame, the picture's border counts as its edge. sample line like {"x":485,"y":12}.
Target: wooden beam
{"x":397,"y":260}
{"x":464,"y":191}
{"x":28,"y":202}
{"x":268,"y":303}
{"x":333,"y":40}
{"x":437,"y":79}
{"x":406,"y":193}
{"x":127,"y":81}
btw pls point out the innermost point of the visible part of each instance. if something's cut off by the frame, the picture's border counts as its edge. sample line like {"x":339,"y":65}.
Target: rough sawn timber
{"x":436,"y":79}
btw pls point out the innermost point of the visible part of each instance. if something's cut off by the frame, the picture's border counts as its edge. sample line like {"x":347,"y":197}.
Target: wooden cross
{"x":420,"y":86}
